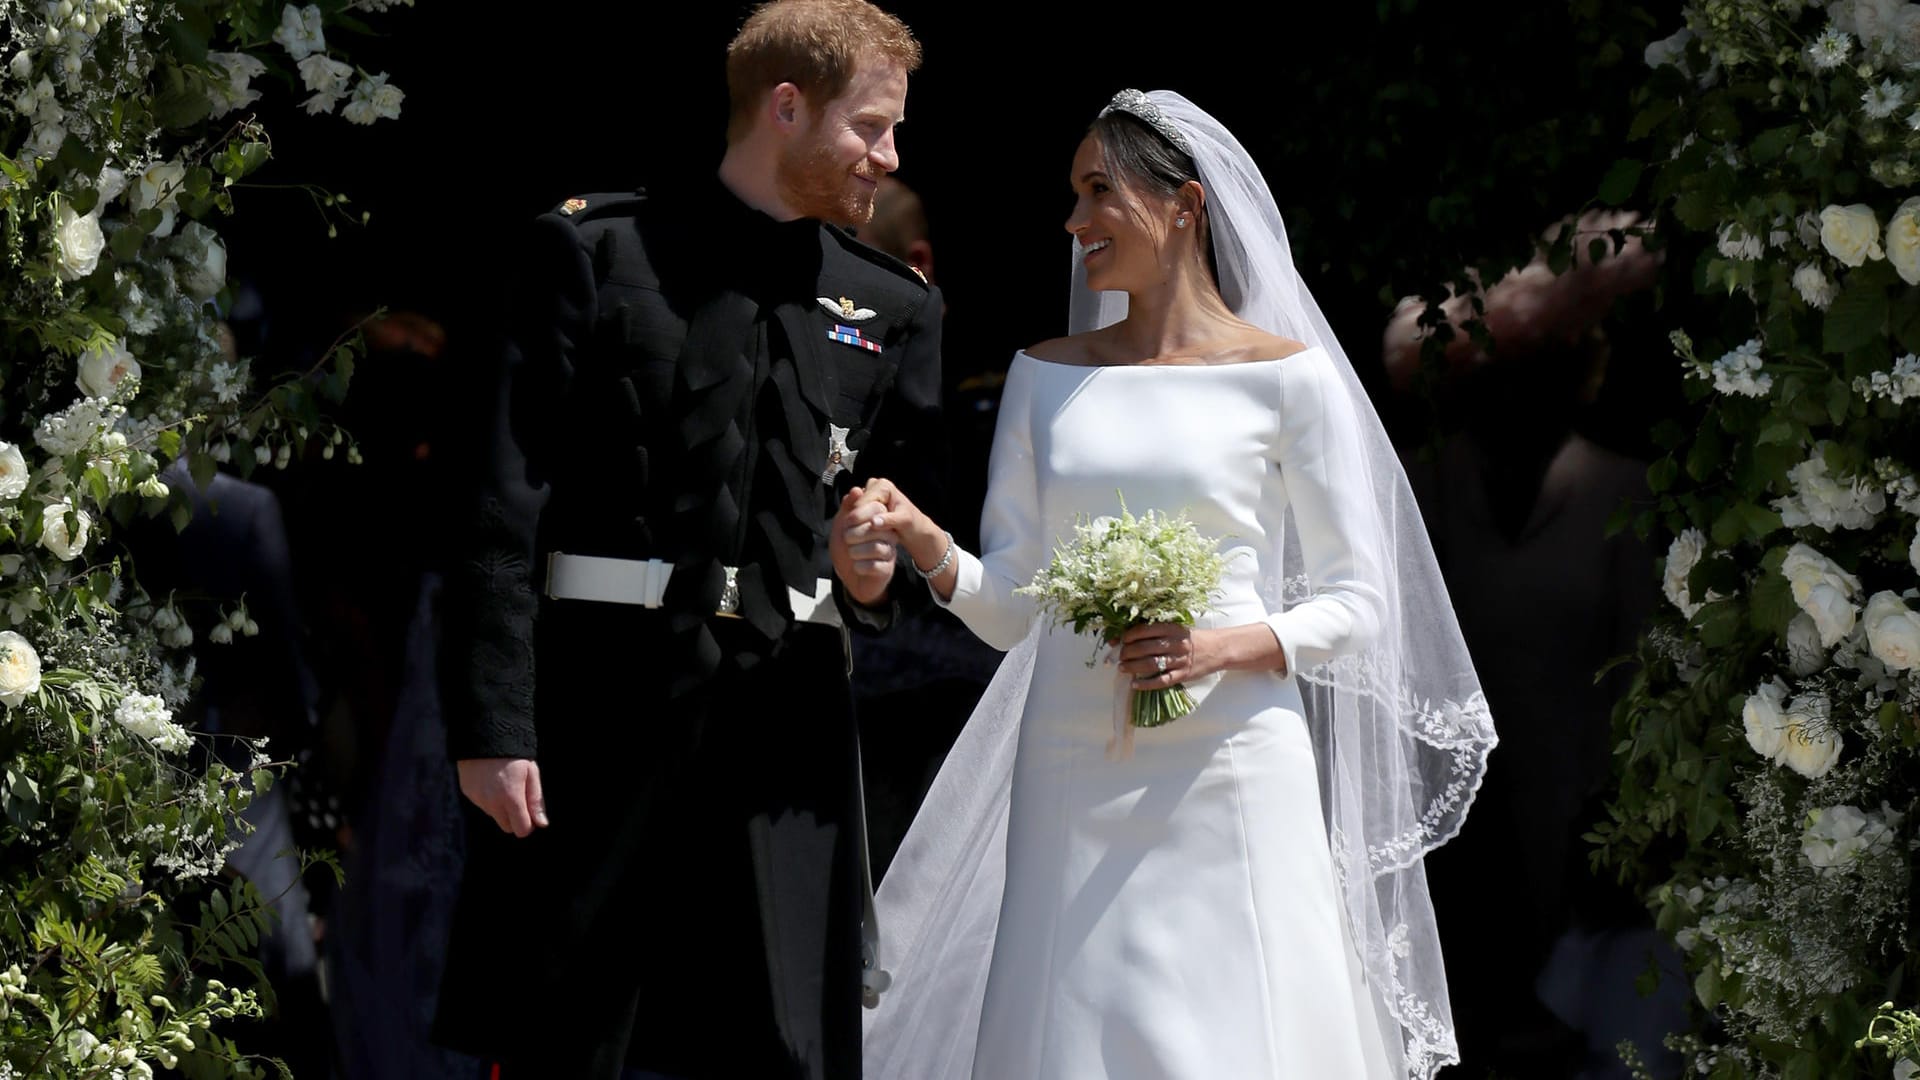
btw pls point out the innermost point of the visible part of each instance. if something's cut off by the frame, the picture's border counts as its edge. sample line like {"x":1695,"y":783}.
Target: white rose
{"x":1765,"y":719}
{"x":1903,"y":241}
{"x":78,"y":241}
{"x":1874,"y":21}
{"x":1809,"y":747}
{"x":325,"y":75}
{"x":1823,"y":590}
{"x":103,"y":369}
{"x":1851,"y":233}
{"x":1669,"y":49}
{"x":13,"y":472}
{"x":1893,"y":632}
{"x":1682,"y":556}
{"x":206,"y":272}
{"x":301,"y":31}
{"x":19,"y":669}
{"x":54,"y":535}
{"x":1805,"y":654}
{"x":159,"y":187}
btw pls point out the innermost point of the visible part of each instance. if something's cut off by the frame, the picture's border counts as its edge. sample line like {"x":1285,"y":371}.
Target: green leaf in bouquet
{"x":1770,"y":144}
{"x":1697,"y":210}
{"x":1662,"y":473}
{"x":1857,"y":316}
{"x":182,"y":100}
{"x":1771,"y":602}
{"x":1840,"y":401}
{"x":1650,"y":118}
{"x":1708,"y":452}
{"x":126,"y":242}
{"x":1779,"y":431}
{"x":1620,"y":181}
{"x":168,"y":442}
{"x":202,"y":468}
{"x":1719,"y":623}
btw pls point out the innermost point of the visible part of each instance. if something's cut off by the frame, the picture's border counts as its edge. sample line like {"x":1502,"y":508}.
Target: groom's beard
{"x":812,"y":183}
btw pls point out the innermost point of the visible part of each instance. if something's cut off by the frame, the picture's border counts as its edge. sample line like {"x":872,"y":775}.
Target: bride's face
{"x":1122,"y":229}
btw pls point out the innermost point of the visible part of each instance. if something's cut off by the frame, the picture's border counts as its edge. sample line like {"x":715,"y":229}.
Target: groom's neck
{"x":748,"y":171}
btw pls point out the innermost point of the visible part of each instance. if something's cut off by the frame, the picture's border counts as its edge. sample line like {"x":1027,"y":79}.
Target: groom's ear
{"x":787,"y":107}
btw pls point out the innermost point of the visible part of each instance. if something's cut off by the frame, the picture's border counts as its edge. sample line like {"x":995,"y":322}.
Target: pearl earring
{"x":1180,"y":222}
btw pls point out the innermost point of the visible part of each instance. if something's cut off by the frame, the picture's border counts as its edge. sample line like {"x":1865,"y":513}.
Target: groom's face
{"x":832,"y":167}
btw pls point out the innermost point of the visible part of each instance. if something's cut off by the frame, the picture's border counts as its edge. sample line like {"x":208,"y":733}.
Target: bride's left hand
{"x":1189,"y":655}
{"x":1194,"y":654}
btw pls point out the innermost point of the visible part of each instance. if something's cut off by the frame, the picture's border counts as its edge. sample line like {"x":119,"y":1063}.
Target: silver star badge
{"x":839,"y":455}
{"x":844,"y":308}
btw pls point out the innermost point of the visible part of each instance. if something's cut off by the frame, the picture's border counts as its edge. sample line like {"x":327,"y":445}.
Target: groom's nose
{"x":884,"y":155}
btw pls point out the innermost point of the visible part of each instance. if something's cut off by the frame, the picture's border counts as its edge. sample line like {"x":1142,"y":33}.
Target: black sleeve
{"x":909,"y":447}
{"x":493,"y":581}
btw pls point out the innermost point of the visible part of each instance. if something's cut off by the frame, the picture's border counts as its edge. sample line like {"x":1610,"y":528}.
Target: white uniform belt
{"x":644,"y":582}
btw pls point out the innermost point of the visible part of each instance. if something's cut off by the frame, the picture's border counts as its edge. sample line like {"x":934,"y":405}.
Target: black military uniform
{"x":687,"y":380}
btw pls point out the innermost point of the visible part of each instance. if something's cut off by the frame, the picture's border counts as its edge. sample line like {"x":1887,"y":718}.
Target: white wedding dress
{"x":1174,"y":914}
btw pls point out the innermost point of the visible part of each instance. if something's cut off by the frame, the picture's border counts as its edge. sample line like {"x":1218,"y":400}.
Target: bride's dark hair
{"x":1141,"y":157}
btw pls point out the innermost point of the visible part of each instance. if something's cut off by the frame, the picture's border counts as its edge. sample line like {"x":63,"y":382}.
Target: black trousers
{"x":731,"y":940}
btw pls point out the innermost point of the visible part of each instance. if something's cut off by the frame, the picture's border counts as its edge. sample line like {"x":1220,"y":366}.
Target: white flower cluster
{"x":1738,"y":242}
{"x":1887,"y":29}
{"x":1119,"y":572}
{"x":1814,"y":286}
{"x":326,"y":79}
{"x":147,"y":716}
{"x":1737,"y":372}
{"x":78,"y":427}
{"x":1823,"y":502}
{"x":1836,"y":835}
{"x":1898,"y":386}
{"x":1901,"y":485}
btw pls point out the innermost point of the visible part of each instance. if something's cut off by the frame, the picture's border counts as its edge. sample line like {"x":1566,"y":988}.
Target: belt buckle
{"x":730,"y":594}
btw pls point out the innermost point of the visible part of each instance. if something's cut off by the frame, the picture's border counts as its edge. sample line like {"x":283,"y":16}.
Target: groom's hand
{"x":863,"y":555}
{"x":508,"y":789}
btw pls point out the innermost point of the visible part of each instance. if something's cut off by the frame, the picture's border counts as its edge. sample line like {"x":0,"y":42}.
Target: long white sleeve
{"x":1010,"y":528}
{"x":1323,"y":465}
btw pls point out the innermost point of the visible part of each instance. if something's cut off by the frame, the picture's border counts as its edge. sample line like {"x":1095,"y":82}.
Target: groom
{"x":647,"y":688}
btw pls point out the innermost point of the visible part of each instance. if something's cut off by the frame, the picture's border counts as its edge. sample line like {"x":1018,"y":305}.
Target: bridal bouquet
{"x":1123,"y":572}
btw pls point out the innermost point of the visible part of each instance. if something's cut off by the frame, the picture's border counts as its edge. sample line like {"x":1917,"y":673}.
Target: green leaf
{"x":1707,"y":454}
{"x":1778,"y":431}
{"x":218,"y":900}
{"x":1697,"y":210}
{"x":1772,"y":143}
{"x":1661,"y":474}
{"x":1651,"y":117}
{"x":1729,"y":528}
{"x":1719,"y":623}
{"x":1761,"y":521}
{"x":169,"y":441}
{"x":1771,"y":602}
{"x":126,"y":242}
{"x":1706,"y":987}
{"x":1621,"y":180}
{"x":1856,"y":317}
{"x":1839,"y":401}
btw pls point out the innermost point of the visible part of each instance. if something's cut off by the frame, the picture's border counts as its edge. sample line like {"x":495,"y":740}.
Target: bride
{"x":1238,"y":894}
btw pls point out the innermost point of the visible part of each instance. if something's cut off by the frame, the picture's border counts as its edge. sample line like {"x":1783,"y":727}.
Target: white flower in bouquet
{"x":1814,"y":286}
{"x":1882,"y":101}
{"x":147,"y":716}
{"x":1830,"y":50}
{"x":1805,"y":653}
{"x":1836,"y":835}
{"x":78,"y":242}
{"x":1904,"y":1069}
{"x":71,"y":429}
{"x":1682,"y":556}
{"x":1903,"y":241}
{"x":1118,"y":573}
{"x":14,"y":473}
{"x":204,"y":270}
{"x":105,"y":368}
{"x":110,"y":184}
{"x":19,"y":669}
{"x":1765,"y":719}
{"x":1738,"y":242}
{"x":1824,"y":591}
{"x":1826,"y":503}
{"x":373,"y":99}
{"x":1669,"y":49}
{"x":237,"y":92}
{"x":159,"y":188}
{"x":1738,"y":372}
{"x":1810,"y":746}
{"x":1893,"y":631}
{"x":1898,"y":386}
{"x":66,"y":542}
{"x":301,"y":32}
{"x":322,"y":74}
{"x":1851,"y":233}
